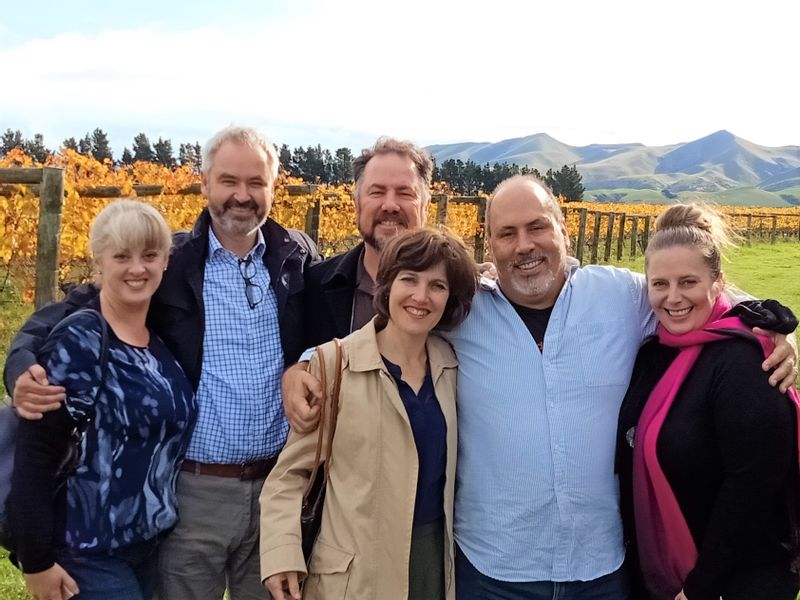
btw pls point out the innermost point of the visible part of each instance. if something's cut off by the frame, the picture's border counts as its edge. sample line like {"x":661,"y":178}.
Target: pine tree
{"x":10,"y":140}
{"x":327,"y":167}
{"x":566,"y":183}
{"x":36,"y":149}
{"x":342,"y":166}
{"x":189,"y":154}
{"x":285,"y":158}
{"x":127,"y":157}
{"x":185,"y":154}
{"x":70,"y":144}
{"x":101,"y":149}
{"x":164,"y":153}
{"x":142,"y":150}
{"x":85,"y":145}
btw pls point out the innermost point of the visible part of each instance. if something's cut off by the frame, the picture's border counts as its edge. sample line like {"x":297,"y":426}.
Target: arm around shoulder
{"x":30,"y":339}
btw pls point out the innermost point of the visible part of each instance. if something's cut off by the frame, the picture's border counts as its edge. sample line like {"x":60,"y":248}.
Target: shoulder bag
{"x":314,"y":495}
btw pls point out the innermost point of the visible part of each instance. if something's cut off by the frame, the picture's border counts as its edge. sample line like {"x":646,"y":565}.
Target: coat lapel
{"x":365,"y":356}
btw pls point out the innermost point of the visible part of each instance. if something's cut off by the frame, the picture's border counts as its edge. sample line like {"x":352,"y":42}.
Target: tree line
{"x":313,"y":164}
{"x":470,"y":178}
{"x":97,"y":145}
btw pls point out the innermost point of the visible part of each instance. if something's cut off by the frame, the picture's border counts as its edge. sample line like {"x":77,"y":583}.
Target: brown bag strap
{"x":334,"y":401}
{"x":337,"y":386}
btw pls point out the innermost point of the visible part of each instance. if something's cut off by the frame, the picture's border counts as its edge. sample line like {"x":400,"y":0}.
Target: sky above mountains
{"x":341,"y":73}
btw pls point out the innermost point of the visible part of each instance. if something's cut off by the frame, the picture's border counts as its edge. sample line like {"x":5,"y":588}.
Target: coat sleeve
{"x":754,"y":434}
{"x":30,"y":339}
{"x":282,"y":495}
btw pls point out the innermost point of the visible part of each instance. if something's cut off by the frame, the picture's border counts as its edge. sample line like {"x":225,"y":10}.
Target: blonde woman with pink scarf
{"x":707,"y":449}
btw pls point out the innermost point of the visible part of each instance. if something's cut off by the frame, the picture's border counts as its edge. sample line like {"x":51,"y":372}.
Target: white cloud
{"x":582,"y":71}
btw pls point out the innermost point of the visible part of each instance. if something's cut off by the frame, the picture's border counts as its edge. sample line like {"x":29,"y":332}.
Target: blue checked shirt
{"x":240,"y":416}
{"x":537,"y":498}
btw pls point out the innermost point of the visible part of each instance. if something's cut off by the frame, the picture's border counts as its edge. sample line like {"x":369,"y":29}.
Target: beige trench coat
{"x":365,"y":539}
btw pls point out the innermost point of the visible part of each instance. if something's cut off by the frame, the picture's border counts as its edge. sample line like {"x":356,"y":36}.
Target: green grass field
{"x":737,"y":197}
{"x":763,"y":270}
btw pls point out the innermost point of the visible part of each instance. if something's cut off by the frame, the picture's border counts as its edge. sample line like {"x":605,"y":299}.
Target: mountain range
{"x":720,"y":168}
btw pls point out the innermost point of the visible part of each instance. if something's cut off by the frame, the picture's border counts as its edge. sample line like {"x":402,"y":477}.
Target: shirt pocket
{"x":605,"y":352}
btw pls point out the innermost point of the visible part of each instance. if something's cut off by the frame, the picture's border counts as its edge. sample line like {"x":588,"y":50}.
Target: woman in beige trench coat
{"x":388,"y":517}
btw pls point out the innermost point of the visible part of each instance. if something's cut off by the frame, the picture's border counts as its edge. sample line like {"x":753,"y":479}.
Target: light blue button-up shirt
{"x":240,"y":413}
{"x":537,"y":498}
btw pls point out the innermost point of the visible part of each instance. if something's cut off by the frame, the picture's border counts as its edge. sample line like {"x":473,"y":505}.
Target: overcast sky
{"x":342,"y":72}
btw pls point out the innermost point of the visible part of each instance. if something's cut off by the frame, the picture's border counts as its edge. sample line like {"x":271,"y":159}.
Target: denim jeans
{"x":128,"y":573}
{"x":471,"y":584}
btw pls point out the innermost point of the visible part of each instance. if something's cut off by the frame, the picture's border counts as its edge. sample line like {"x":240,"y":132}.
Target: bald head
{"x":522,"y":184}
{"x":528,"y":240}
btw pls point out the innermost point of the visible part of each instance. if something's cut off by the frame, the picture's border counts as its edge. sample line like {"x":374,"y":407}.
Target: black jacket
{"x":330,"y":289}
{"x":177,"y":311}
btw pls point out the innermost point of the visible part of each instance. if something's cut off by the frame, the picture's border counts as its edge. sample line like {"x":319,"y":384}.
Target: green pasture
{"x":743,"y":197}
{"x":763,"y":270}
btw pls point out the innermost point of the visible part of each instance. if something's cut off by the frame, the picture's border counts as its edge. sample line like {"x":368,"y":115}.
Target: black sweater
{"x":728,"y":448}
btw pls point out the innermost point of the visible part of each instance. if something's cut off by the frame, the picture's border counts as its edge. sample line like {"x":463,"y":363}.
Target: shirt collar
{"x":364,"y":282}
{"x":216,"y":249}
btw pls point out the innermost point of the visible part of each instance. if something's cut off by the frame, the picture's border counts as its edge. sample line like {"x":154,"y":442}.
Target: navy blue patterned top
{"x":123,"y":491}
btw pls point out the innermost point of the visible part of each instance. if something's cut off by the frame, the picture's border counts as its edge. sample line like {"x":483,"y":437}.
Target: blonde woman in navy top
{"x":98,"y":536}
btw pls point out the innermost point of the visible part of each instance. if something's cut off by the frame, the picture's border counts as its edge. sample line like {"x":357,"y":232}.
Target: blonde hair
{"x":126,"y":224}
{"x":697,"y":226}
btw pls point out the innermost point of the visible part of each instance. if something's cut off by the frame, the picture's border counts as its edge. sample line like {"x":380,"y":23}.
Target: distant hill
{"x":719,"y":167}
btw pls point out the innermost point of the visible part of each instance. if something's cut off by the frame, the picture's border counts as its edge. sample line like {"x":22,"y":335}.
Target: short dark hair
{"x":419,"y":250}
{"x":387,"y":145}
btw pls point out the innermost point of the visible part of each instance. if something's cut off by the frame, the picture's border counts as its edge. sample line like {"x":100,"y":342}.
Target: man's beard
{"x":378,"y":243}
{"x":533,"y":287}
{"x":233,"y":225}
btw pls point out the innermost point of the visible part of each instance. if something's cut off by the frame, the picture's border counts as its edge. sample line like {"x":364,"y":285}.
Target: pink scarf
{"x":666,"y":549}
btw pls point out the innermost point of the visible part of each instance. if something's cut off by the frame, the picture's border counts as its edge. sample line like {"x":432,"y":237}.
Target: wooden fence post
{"x":50,"y":202}
{"x":312,"y":221}
{"x":480,"y":233}
{"x":634,"y":235}
{"x":646,"y":233}
{"x":595,"y":236}
{"x":749,"y":229}
{"x":609,"y":236}
{"x":581,"y":235}
{"x":621,"y":236}
{"x":441,"y":208}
